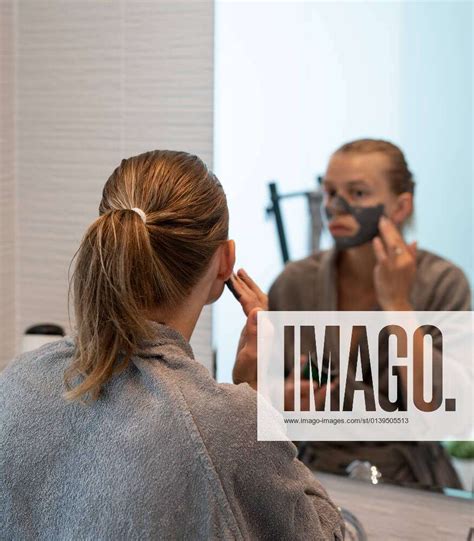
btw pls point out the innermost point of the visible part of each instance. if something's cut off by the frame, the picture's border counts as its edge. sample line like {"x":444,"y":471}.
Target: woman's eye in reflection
{"x":359,"y":194}
{"x":330,"y":192}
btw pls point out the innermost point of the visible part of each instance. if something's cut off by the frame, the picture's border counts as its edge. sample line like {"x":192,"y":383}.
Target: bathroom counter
{"x":390,"y":512}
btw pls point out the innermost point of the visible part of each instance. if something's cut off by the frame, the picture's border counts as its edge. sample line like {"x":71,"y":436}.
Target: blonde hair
{"x":399,"y":176}
{"x":126,"y":267}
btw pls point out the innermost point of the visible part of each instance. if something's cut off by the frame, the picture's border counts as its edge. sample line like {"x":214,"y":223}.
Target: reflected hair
{"x":125,"y":267}
{"x":399,"y":175}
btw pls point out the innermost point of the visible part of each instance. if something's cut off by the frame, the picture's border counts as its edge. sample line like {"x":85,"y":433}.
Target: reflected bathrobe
{"x":311,"y":284}
{"x":164,"y":453}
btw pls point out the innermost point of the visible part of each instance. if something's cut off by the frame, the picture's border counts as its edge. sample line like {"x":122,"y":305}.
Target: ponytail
{"x":127,"y":266}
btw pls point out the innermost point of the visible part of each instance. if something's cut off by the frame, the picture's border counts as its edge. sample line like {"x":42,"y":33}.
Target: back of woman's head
{"x":127,"y":264}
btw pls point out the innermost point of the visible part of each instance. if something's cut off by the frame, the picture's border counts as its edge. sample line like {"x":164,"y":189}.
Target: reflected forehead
{"x":356,"y":167}
{"x":327,"y":181}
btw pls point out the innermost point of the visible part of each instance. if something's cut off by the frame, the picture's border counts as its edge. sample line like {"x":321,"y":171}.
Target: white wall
{"x":294,"y":80}
{"x":96,"y":82}
{"x":437,"y":123}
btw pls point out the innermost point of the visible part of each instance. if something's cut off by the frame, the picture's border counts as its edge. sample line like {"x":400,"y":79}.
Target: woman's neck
{"x":357,"y":264}
{"x":182,"y":319}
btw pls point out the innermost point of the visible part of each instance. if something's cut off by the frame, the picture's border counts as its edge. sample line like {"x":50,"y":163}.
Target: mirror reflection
{"x":355,"y":196}
{"x":368,"y":198}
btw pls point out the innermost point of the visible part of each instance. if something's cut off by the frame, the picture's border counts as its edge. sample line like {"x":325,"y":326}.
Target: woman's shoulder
{"x":434,"y":268}
{"x":226,"y":413}
{"x":33,"y":366}
{"x":436,"y":263}
{"x":212,"y":403}
{"x":299,"y":272}
{"x":29,"y":383}
{"x":440,"y":284}
{"x":258,"y":468}
{"x":311,"y":263}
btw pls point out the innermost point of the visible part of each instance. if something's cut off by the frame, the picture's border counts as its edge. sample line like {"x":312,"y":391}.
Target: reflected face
{"x":360,"y":180}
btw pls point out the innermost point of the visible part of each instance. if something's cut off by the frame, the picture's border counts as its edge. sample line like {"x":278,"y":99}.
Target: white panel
{"x":99,"y":81}
{"x":7,"y":182}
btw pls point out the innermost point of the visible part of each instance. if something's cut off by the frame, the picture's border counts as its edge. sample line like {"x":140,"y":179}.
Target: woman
{"x":368,"y":196}
{"x":117,"y":432}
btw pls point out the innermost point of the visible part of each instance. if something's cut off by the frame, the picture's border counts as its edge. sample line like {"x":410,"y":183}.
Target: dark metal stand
{"x":314,"y":199}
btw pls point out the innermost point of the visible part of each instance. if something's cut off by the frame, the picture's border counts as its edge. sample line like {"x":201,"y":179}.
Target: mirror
{"x":296,"y":81}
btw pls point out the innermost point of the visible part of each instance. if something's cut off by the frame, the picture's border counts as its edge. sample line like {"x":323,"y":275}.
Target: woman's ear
{"x":224,"y":262}
{"x":402,"y":208}
{"x":227,"y":260}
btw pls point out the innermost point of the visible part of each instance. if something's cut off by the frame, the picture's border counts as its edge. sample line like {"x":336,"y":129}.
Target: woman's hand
{"x":252,"y":299}
{"x":250,"y":295}
{"x":306,"y":391}
{"x":395,"y":270}
{"x":245,"y":367}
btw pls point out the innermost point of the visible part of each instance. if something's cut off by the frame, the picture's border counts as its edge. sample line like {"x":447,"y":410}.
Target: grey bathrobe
{"x":165,"y":453}
{"x":311,"y":284}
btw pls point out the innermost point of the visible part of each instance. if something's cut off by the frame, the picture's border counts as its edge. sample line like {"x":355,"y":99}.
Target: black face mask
{"x":367,"y":218}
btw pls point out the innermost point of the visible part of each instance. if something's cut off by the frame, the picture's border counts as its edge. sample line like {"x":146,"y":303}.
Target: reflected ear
{"x":402,"y":209}
{"x":227,"y":260}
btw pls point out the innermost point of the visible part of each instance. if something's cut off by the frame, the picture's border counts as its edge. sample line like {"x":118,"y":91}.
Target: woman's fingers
{"x":252,"y":324}
{"x":249,"y":294}
{"x":242,"y":274}
{"x":395,"y":272}
{"x":231,"y":284}
{"x":389,"y":232}
{"x":241,"y":287}
{"x":379,"y":250}
{"x":303,"y":361}
{"x":307,"y":390}
{"x":394,"y":243}
{"x":245,"y":367}
{"x":412,"y":249}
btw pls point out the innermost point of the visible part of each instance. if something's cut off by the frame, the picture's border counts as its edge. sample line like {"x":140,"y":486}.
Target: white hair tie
{"x":140,"y":213}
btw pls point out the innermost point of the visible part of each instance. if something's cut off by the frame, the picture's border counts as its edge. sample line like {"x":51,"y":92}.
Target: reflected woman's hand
{"x":306,"y":390}
{"x":394,"y":273}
